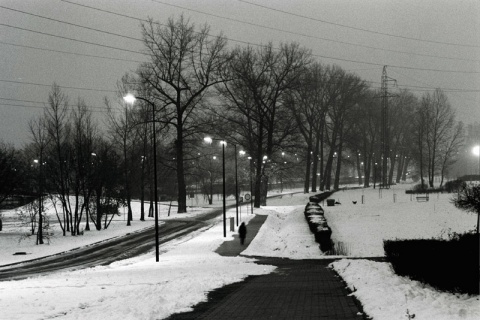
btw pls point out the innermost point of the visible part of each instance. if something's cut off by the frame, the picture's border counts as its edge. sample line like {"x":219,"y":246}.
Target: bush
{"x":454,"y":185}
{"x":317,"y":222}
{"x":312,"y":205}
{"x":450,"y":265}
{"x":322,"y":236}
{"x":418,"y":188}
{"x":320,"y":197}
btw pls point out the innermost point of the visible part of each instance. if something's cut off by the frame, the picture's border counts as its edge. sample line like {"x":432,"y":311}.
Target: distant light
{"x":35,"y":160}
{"x":476,"y":150}
{"x":208,"y":140}
{"x":241,"y":152}
{"x":223,"y":142}
{"x":249,"y":158}
{"x":214,"y":157}
{"x":265,"y":157}
{"x":129,"y":98}
{"x":94,"y":154}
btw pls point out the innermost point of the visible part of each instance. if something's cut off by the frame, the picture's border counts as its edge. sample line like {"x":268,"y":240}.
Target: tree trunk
{"x":322,"y":175}
{"x":336,"y":185}
{"x":182,"y":189}
{"x":307,"y":169}
{"x":401,"y":161}
{"x":359,"y":169}
{"x":315,"y":162}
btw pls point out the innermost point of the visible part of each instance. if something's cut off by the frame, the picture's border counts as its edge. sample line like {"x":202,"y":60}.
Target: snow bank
{"x":284,"y":234}
{"x":391,"y":214}
{"x":384,"y":295}
{"x":137,"y":288}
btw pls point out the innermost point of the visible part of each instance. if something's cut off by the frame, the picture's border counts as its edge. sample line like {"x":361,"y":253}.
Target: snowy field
{"x":140,"y":288}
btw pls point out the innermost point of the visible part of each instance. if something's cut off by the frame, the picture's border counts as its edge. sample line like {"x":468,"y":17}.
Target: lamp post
{"x":236,"y":182}
{"x":223,"y":143}
{"x":250,"y":159}
{"x":130,"y":98}
{"x":476,"y":151}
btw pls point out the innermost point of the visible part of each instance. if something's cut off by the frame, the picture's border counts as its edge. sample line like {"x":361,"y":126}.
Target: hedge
{"x":449,"y":265}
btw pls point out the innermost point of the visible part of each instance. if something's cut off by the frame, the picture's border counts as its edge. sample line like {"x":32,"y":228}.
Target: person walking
{"x":242,"y":232}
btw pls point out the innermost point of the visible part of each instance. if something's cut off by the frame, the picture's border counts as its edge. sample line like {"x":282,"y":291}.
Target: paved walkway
{"x":297,"y":289}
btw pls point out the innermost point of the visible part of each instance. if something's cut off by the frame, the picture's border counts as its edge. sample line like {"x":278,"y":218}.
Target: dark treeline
{"x":293,"y":121}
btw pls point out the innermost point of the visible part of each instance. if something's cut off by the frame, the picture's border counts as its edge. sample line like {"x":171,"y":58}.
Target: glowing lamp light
{"x":129,"y":98}
{"x":476,"y":150}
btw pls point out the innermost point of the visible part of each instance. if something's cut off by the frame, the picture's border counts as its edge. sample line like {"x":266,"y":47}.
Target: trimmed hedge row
{"x":450,"y":265}
{"x":317,"y":223}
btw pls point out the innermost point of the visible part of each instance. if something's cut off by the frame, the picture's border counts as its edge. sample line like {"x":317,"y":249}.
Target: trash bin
{"x":232,"y":224}
{"x":330,"y":202}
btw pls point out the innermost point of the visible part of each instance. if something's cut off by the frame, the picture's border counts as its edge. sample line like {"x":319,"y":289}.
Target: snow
{"x":140,"y":288}
{"x":385,"y":295}
{"x":363,"y":227}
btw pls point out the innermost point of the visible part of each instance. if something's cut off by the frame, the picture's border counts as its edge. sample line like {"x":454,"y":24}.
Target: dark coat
{"x":242,"y":230}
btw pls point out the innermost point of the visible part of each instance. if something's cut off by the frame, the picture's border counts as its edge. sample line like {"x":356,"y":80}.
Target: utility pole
{"x":385,"y":127}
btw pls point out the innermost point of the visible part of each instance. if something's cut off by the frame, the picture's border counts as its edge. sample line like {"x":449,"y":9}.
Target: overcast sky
{"x":425,"y":44}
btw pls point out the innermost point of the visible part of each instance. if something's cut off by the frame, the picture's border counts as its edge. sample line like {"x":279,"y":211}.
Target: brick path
{"x":297,"y":289}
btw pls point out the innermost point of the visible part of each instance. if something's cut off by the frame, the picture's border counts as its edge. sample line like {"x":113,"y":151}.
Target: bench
{"x":423,"y":198}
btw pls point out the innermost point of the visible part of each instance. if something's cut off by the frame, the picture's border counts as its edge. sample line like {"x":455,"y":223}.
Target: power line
{"x":72,"y":24}
{"x":71,"y":39}
{"x":313,"y":37}
{"x":71,"y":53}
{"x":395,"y":66}
{"x":49,"y":85}
{"x":417,"y":88}
{"x":261,"y":45}
{"x":359,"y":29}
{"x":453,"y":92}
{"x":44,"y":107}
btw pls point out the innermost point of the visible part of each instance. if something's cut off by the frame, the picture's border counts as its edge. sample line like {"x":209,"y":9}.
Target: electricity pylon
{"x":385,"y":127}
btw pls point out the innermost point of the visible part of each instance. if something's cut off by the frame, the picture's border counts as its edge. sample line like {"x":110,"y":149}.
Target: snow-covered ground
{"x":140,"y":288}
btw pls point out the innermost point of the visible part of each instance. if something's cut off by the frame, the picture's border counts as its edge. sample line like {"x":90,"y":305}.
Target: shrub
{"x":450,"y":265}
{"x":454,"y":185}
{"x":418,"y":188}
{"x":317,"y":222}
{"x":312,"y":205}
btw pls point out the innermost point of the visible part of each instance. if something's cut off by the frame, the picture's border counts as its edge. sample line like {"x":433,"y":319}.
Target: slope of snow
{"x":140,"y":288}
{"x":137,"y":288}
{"x":385,"y":295}
{"x":285,"y":234}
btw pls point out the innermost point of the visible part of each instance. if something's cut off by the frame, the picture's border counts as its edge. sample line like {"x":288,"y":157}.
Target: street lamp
{"x":209,"y":140}
{"x":476,"y":151}
{"x":130,"y":98}
{"x":251,"y":183}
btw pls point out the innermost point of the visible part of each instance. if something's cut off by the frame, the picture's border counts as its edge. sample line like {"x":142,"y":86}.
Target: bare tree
{"x":468,"y":199}
{"x":401,"y":113}
{"x":122,"y":135}
{"x":56,"y":115}
{"x":435,"y":124}
{"x":450,"y":147}
{"x":345,"y":91}
{"x":184,"y":63}
{"x":83,"y":139}
{"x":308,"y":104}
{"x":11,"y":171}
{"x":260,"y":80}
{"x":41,"y":140}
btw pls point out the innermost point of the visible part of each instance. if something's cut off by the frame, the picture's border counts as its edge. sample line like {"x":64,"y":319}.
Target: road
{"x":106,"y":252}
